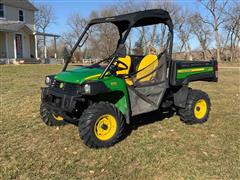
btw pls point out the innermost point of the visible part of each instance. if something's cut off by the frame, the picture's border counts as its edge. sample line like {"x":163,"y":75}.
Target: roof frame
{"x":136,"y":19}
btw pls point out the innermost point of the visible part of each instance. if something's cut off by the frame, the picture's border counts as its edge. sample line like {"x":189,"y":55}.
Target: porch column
{"x":55,"y":47}
{"x":45,"y":47}
{"x":15,"y":46}
{"x":36,"y":47}
{"x":6,"y":44}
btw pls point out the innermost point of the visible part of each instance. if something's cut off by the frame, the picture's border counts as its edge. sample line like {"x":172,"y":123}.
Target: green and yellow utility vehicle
{"x":101,"y":99}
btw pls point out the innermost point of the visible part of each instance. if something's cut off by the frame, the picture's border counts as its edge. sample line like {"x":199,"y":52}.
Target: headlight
{"x":87,"y":88}
{"x":48,"y":81}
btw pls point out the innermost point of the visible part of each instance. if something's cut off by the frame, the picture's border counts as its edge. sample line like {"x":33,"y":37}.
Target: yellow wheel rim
{"x":56,"y":117}
{"x":105,"y":127}
{"x":200,"y":109}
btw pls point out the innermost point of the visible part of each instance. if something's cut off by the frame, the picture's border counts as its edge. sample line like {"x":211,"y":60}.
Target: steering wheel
{"x":125,"y":67}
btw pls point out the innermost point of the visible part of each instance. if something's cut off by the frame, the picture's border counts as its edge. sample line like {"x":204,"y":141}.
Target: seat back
{"x":147,"y":65}
{"x":126,"y":60}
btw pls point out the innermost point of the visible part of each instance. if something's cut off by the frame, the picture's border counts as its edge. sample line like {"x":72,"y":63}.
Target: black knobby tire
{"x":48,"y":117}
{"x":188,"y":114}
{"x":90,"y":117}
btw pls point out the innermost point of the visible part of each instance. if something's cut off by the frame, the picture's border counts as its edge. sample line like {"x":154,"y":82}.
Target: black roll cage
{"x":125,"y":23}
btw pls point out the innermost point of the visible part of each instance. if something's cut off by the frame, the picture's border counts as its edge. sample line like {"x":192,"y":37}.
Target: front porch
{"x":18,"y":44}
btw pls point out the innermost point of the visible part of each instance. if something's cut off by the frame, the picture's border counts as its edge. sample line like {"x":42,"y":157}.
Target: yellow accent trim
{"x":190,"y":70}
{"x":105,"y":127}
{"x":200,"y":109}
{"x":58,"y":118}
{"x":93,"y":76}
{"x":150,"y":63}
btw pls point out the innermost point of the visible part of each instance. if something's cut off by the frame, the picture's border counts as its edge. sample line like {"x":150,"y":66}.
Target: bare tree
{"x":232,"y":27}
{"x":104,"y":37}
{"x":201,"y":31}
{"x":44,"y":17}
{"x":76,"y":23}
{"x":184,"y":32}
{"x":132,"y":6}
{"x":174,"y":10}
{"x":216,"y":9}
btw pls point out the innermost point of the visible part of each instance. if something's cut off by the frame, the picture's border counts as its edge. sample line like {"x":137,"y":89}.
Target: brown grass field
{"x":156,"y":148}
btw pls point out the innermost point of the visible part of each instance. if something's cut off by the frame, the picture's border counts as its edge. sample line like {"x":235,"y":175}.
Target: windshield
{"x":98,"y":43}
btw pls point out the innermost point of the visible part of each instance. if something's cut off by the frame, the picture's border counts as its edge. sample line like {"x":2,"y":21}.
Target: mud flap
{"x":180,"y":97}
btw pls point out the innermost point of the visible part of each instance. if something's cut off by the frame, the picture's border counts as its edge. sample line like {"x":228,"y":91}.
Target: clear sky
{"x":64,"y":8}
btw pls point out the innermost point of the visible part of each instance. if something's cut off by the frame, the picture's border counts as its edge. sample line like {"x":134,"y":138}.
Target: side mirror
{"x":122,"y":50}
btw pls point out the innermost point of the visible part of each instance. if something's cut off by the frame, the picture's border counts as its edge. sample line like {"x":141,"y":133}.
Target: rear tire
{"x":49,"y":118}
{"x":197,"y":108}
{"x":101,"y":125}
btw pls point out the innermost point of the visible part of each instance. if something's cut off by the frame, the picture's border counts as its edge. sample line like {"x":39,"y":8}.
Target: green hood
{"x":79,"y":75}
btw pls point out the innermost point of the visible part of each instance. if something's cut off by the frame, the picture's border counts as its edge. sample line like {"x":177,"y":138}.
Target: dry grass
{"x":157,"y":150}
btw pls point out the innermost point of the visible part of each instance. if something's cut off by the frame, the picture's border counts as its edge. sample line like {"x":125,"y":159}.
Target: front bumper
{"x":59,"y":101}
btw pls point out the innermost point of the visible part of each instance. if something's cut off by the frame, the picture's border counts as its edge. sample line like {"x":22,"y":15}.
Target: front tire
{"x":197,"y":108}
{"x":101,"y":125}
{"x":49,"y":118}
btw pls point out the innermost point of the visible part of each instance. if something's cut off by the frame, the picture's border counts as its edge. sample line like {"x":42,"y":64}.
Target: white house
{"x":17,"y":30}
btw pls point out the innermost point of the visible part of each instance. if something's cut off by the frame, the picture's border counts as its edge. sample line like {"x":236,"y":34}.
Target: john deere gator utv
{"x":101,"y":98}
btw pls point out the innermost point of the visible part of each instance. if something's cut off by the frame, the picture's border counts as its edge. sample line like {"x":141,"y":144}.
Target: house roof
{"x":24,"y":4}
{"x":9,"y":26}
{"x":14,"y":27}
{"x":46,"y":34}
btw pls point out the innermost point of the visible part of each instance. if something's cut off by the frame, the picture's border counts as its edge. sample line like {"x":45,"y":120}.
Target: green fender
{"x":118,"y":95}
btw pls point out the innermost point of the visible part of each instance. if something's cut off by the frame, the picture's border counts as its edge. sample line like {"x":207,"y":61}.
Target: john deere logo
{"x":114,"y":83}
{"x":61,"y":85}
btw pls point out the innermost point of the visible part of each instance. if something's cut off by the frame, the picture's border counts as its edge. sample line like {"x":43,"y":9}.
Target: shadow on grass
{"x":145,"y":119}
{"x":141,"y":120}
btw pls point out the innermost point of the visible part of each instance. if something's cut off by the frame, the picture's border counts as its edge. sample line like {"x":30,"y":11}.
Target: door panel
{"x":19,"y":45}
{"x":146,"y":97}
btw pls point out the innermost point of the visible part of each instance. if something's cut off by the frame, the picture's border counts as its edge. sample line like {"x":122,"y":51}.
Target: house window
{"x":1,"y":11}
{"x":21,"y":16}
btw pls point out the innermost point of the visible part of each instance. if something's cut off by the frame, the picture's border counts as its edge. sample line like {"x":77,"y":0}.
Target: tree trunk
{"x":217,"y":37}
{"x":189,"y":52}
{"x":45,"y":47}
{"x":218,"y":45}
{"x":161,"y":44}
{"x":231,"y":47}
{"x":144,"y":41}
{"x":204,"y":55}
{"x":153,"y":35}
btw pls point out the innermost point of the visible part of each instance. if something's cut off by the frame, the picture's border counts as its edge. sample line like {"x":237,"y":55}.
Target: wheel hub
{"x":105,"y":127}
{"x":200,"y":109}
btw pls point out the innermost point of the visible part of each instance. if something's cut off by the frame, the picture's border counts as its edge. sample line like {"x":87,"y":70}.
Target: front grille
{"x":68,"y":87}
